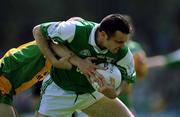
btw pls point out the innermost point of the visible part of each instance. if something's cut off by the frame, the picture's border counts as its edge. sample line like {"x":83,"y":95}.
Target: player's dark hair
{"x":114,"y":22}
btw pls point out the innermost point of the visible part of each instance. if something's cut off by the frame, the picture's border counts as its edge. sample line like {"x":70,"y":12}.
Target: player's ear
{"x":103,"y":34}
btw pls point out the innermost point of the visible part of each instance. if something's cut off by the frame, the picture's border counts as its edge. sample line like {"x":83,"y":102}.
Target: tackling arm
{"x":44,"y":46}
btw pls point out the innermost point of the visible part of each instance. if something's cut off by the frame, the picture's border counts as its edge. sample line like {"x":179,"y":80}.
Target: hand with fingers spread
{"x":96,"y":79}
{"x":87,"y":67}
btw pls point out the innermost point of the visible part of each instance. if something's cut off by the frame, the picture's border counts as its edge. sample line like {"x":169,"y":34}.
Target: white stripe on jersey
{"x":127,"y":62}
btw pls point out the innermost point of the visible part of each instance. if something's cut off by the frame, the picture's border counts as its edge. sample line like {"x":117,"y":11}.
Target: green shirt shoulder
{"x":63,"y":31}
{"x":20,"y":64}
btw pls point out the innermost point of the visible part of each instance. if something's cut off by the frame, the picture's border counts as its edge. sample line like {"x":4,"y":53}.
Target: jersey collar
{"x":93,"y":42}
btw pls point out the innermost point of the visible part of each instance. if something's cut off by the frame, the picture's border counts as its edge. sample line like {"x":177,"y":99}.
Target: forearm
{"x":43,"y":44}
{"x":156,"y":61}
{"x":62,"y":51}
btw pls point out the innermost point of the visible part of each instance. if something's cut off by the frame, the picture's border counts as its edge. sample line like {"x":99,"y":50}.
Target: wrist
{"x":73,"y":59}
{"x":54,"y":62}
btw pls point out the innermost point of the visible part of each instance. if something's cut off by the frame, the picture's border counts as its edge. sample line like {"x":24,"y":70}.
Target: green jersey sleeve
{"x":59,"y":31}
{"x":126,"y":65}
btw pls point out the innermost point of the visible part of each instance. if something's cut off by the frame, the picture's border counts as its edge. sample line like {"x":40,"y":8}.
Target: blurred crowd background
{"x":157,"y":28}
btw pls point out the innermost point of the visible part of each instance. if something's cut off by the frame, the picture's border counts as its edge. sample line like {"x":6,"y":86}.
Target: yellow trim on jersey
{"x":38,"y":77}
{"x":13,"y":50}
{"x":5,"y":85}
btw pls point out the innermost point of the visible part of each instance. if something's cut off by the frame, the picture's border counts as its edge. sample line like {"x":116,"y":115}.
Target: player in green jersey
{"x":143,"y":63}
{"x":64,"y":91}
{"x":20,"y":69}
{"x":140,"y":67}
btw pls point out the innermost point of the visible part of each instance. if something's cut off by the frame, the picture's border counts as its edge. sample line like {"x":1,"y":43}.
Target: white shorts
{"x":57,"y":102}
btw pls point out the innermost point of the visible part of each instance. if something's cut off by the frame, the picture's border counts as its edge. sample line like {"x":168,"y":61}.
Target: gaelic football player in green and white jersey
{"x":65,"y":91}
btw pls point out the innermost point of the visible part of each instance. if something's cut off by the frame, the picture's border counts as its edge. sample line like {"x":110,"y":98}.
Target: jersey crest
{"x":85,"y":52}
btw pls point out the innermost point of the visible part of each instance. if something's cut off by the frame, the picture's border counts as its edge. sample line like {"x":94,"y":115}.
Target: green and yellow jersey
{"x":21,"y":68}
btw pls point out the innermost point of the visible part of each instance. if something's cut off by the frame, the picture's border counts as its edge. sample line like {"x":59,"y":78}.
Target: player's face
{"x":115,"y":42}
